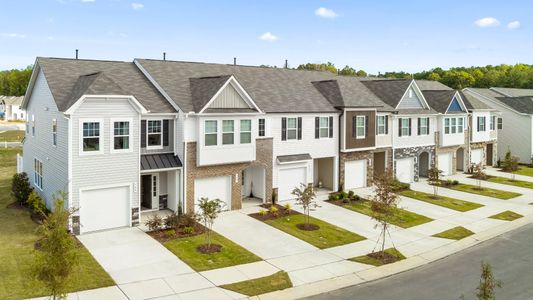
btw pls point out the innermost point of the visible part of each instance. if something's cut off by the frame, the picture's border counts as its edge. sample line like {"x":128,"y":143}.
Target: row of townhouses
{"x":123,"y":138}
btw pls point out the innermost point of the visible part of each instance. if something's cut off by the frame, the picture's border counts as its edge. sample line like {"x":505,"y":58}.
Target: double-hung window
{"x":38,"y":173}
{"x":261,"y":127}
{"x":91,"y":137}
{"x":480,"y":124}
{"x":404,"y":129}
{"x":492,"y":122}
{"x":228,"y":132}
{"x":155,"y":133}
{"x":423,"y":126}
{"x":324,"y":127}
{"x":246,"y":132}
{"x":54,"y":132}
{"x":121,"y":135}
{"x":460,"y":125}
{"x":381,"y":125}
{"x":360,"y":127}
{"x":500,"y":123}
{"x":446,"y":125}
{"x":210,"y":137}
{"x":32,"y":125}
{"x":292,"y":128}
{"x":453,"y":126}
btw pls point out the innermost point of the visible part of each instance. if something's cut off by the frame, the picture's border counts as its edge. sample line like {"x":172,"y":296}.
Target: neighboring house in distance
{"x":492,"y":139}
{"x":414,"y":124}
{"x":452,"y":137}
{"x":10,"y":107}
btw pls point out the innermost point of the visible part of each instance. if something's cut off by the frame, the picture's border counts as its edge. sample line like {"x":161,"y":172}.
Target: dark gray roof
{"x":439,"y":100}
{"x":349,"y":92}
{"x":389,"y":91}
{"x":272,"y":89}
{"x":513,"y":92}
{"x":230,"y":110}
{"x":293,"y":157}
{"x":472,"y":102}
{"x":414,"y":111}
{"x":432,"y":85}
{"x":521,"y":104}
{"x":204,"y":88}
{"x":159,"y":161}
{"x":67,"y":78}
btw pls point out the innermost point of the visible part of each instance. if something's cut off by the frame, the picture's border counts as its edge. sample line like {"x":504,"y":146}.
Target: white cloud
{"x":487,"y":22}
{"x":325,"y":13}
{"x":13,"y":35}
{"x":268,"y":36}
{"x":513,"y":25}
{"x":137,"y":6}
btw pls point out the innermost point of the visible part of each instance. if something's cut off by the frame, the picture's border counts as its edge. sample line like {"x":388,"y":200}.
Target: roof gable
{"x":455,"y":106}
{"x":411,"y":99}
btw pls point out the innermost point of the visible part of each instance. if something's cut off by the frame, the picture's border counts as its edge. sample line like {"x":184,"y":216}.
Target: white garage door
{"x":214,"y":188}
{"x":476,"y":156}
{"x":288,"y":179}
{"x":405,"y":169}
{"x":445,"y":163}
{"x":355,"y":174}
{"x":104,"y":208}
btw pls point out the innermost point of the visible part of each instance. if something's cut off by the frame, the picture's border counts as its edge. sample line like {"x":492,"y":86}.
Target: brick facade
{"x":368,"y":155}
{"x":263,"y":159}
{"x":483,"y":145}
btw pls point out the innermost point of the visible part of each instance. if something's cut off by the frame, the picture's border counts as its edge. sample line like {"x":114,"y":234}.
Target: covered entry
{"x":253,"y":184}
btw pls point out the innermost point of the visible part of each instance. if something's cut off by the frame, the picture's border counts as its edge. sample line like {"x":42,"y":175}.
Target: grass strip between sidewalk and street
{"x":510,"y":181}
{"x":524,"y":170}
{"x":484,"y":191}
{"x":451,"y":203}
{"x":365,"y":259}
{"x":456,"y":233}
{"x":506,"y":216}
{"x":275,"y":282}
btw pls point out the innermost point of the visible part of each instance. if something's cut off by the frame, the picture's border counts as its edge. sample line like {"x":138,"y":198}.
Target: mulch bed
{"x":269,"y":216}
{"x":208,"y":249}
{"x":384,"y":257}
{"x":342,"y":203}
{"x":307,"y":227}
{"x":163,"y":236}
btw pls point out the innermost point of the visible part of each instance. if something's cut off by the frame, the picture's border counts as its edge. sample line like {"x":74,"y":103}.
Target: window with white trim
{"x":292,"y":128}
{"x":323,"y":127}
{"x":500,"y":123}
{"x":32,"y":125}
{"x":261,"y":127}
{"x":424,"y":126}
{"x":54,"y":132}
{"x":492,"y":122}
{"x":405,"y":130}
{"x":246,"y":132}
{"x":121,"y":135}
{"x":360,"y":127}
{"x":460,"y":125}
{"x":228,"y":132}
{"x":480,"y":124}
{"x":381,"y":124}
{"x":210,"y":136}
{"x":91,"y":136}
{"x":446,"y":125}
{"x":38,"y":173}
{"x":453,"y":125}
{"x":27,"y":124}
{"x":155,"y":133}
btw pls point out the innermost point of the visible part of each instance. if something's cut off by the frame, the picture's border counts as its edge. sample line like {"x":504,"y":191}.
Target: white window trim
{"x":295,"y":129}
{"x":32,"y":125}
{"x":112,"y":135}
{"x":320,"y":127}
{"x":228,"y":132}
{"x":54,"y":132}
{"x":35,"y":173}
{"x":408,"y":134}
{"x":357,"y":136}
{"x":426,"y":127}
{"x":259,"y":127}
{"x":156,"y":147}
{"x":484,"y":124}
{"x":216,"y":133}
{"x":247,"y":131}
{"x":493,"y":121}
{"x":100,"y":138}
{"x":384,"y":125}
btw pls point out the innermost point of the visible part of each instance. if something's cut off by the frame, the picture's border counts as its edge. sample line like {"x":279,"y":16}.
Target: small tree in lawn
{"x":20,"y":188}
{"x":305,"y":196}
{"x":56,"y":257}
{"x":434,"y":179}
{"x":487,"y":283}
{"x":384,"y":203}
{"x":479,"y":174}
{"x":209,"y":210}
{"x":510,"y":163}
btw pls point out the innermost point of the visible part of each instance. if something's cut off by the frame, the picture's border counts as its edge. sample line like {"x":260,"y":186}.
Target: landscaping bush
{"x":398,"y":186}
{"x":351,"y":194}
{"x":171,"y":221}
{"x":274,"y":210}
{"x":332,"y":197}
{"x":449,"y":182}
{"x":343,"y":195}
{"x":346,"y":200}
{"x":188,"y":220}
{"x":288,"y":208}
{"x":20,"y":188}
{"x":188,"y":230}
{"x":36,"y":204}
{"x":154,"y":223}
{"x":356,"y":198}
{"x":170,"y":233}
{"x":455,"y":182}
{"x":263,"y":212}
{"x":510,"y":162}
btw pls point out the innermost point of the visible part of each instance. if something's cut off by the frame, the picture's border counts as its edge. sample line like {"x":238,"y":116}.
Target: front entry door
{"x":146,"y":191}
{"x":489,"y":155}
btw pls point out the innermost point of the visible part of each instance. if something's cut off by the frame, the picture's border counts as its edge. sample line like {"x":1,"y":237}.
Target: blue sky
{"x":376,"y":36}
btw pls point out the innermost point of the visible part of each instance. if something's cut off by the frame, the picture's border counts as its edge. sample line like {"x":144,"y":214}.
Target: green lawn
{"x":230,"y":255}
{"x":12,"y":136}
{"x":484,"y":191}
{"x":506,"y":216}
{"x":365,"y":259}
{"x":455,"y":233}
{"x":509,"y":181}
{"x":402,"y":218}
{"x":526,"y":171}
{"x":326,"y":236}
{"x":451,"y":203}
{"x":275,"y":282}
{"x":17,"y":240}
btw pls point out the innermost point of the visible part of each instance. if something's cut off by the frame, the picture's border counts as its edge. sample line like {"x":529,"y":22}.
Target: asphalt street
{"x":511,"y":257}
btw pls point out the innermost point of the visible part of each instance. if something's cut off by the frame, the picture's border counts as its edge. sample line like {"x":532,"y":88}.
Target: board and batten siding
{"x":410,"y":102}
{"x":55,"y":159}
{"x":106,"y":169}
{"x":228,"y":98}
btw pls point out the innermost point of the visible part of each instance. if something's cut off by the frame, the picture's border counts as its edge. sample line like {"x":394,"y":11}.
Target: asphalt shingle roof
{"x":67,"y":78}
{"x":521,"y":104}
{"x":439,"y":100}
{"x":432,"y":85}
{"x":204,"y":88}
{"x":472,"y":102}
{"x":513,"y":92}
{"x":389,"y":91}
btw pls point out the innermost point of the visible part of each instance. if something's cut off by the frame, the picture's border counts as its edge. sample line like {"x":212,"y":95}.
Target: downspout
{"x":340,"y":147}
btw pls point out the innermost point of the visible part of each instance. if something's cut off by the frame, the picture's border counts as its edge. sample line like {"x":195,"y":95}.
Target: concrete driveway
{"x":130,"y":255}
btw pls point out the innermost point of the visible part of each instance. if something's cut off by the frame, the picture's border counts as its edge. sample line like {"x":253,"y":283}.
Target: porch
{"x":159,"y":183}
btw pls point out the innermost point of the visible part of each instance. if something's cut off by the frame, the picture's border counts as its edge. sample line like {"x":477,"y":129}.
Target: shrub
{"x":172,"y":220}
{"x":188,"y":230}
{"x":274,"y":210}
{"x":449,"y":182}
{"x":263,"y":212}
{"x":154,"y":222}
{"x":36,"y":203}
{"x":351,"y":194}
{"x":398,"y":186}
{"x":188,"y":219}
{"x":20,"y":188}
{"x":170,"y":233}
{"x":510,"y":162}
{"x":356,"y":198}
{"x":288,"y":208}
{"x":346,"y":200}
{"x":343,"y":195}
{"x":455,"y":182}
{"x":331,"y":197}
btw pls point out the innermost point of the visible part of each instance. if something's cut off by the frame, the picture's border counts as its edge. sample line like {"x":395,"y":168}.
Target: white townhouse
{"x":10,"y":109}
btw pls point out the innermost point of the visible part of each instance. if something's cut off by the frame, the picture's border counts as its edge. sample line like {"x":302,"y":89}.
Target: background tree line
{"x":14,"y":82}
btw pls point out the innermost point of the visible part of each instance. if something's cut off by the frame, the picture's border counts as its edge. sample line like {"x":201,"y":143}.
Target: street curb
{"x":385,"y":271}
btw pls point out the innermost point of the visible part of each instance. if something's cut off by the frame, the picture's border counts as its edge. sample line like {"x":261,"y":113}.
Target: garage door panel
{"x":445,"y":163}
{"x":214,"y":188}
{"x":355,"y":174}
{"x":476,"y":156}
{"x":405,"y":169}
{"x":288,"y":179}
{"x":106,"y":208}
